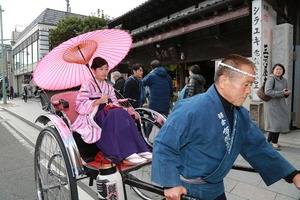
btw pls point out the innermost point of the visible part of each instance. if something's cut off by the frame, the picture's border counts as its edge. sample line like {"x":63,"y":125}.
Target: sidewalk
{"x":29,"y":111}
{"x":239,"y":185}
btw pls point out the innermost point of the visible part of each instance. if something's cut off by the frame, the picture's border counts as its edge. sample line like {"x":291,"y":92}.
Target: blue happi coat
{"x":196,"y":141}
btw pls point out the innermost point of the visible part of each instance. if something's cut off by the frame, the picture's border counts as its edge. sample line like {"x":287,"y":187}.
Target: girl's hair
{"x":279,"y":65}
{"x":98,"y":62}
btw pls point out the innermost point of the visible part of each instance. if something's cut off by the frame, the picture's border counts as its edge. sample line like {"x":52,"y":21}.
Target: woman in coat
{"x":275,"y":110}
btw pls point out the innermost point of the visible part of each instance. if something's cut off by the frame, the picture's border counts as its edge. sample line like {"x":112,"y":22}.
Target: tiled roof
{"x":49,"y":17}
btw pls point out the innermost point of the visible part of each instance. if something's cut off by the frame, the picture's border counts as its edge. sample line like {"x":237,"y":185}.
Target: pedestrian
{"x":36,"y":92}
{"x":196,"y":82}
{"x":276,"y":112}
{"x":161,"y":88}
{"x":203,"y":136}
{"x":12,"y":92}
{"x":25,"y":93}
{"x":103,"y":121}
{"x":1,"y":93}
{"x":7,"y":92}
{"x":134,"y":88}
{"x":119,"y":81}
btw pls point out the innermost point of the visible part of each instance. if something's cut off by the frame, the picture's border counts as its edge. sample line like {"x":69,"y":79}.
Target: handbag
{"x":261,"y":92}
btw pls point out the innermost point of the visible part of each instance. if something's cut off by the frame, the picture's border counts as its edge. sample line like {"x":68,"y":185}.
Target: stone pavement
{"x":239,"y":185}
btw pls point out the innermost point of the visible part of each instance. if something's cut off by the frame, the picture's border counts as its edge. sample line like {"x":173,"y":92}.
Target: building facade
{"x":182,"y":33}
{"x":31,"y":45}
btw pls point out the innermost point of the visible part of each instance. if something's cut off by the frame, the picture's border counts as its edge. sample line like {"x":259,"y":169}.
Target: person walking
{"x":134,"y":88}
{"x":12,"y":92}
{"x":25,"y":93}
{"x":119,"y":81}
{"x":7,"y":92}
{"x":276,"y":113}
{"x":161,"y":88}
{"x":203,"y":136}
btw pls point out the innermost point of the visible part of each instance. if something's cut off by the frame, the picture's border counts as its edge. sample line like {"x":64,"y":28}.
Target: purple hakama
{"x":120,"y":136}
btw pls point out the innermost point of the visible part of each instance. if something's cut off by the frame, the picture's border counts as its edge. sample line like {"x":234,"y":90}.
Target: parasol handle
{"x":93,"y":77}
{"x":78,"y":47}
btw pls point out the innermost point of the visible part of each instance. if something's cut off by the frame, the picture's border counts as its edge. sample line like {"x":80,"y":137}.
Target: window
{"x":35,"y":52}
{"x":29,"y":54}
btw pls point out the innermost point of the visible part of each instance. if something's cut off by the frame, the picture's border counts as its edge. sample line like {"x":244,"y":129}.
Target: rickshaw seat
{"x":87,"y":151}
{"x":70,"y":97}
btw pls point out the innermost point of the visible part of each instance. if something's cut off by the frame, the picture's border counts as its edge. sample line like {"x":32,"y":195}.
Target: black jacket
{"x":132,"y":90}
{"x":119,"y":84}
{"x":195,"y":85}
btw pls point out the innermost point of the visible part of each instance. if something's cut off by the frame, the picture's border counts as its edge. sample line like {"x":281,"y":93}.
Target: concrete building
{"x":31,"y":45}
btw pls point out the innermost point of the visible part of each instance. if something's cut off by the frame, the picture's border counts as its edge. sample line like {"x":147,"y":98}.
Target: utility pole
{"x":2,"y":60}
{"x":68,"y":6}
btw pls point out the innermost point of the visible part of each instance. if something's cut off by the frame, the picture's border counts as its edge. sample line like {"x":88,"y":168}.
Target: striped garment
{"x":85,"y":124}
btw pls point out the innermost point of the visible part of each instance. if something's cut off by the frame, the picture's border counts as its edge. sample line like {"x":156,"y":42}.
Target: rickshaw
{"x":62,"y":158}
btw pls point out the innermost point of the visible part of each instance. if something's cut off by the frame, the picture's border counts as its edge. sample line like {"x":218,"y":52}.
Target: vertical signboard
{"x":263,"y":20}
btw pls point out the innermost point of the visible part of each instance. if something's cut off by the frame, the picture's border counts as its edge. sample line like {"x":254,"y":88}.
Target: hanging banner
{"x":263,"y":21}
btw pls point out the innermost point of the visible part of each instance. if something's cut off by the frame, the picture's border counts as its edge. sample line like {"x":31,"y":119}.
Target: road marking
{"x":18,"y":137}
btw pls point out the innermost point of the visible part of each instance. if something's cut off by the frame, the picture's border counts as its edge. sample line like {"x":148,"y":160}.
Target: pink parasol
{"x":67,"y":65}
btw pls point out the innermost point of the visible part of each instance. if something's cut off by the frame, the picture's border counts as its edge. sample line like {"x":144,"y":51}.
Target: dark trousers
{"x":273,"y":137}
{"x":221,"y":197}
{"x":25,"y":98}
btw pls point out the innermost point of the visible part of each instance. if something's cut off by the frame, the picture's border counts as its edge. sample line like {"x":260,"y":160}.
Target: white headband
{"x":237,"y":70}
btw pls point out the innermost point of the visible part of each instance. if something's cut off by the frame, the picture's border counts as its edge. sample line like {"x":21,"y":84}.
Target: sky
{"x":19,"y":14}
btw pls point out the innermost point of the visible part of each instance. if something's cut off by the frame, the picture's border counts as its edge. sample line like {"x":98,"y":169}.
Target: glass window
{"x":21,"y":54}
{"x":25,"y":56}
{"x":35,"y":52}
{"x":17,"y":60}
{"x":29,"y":54}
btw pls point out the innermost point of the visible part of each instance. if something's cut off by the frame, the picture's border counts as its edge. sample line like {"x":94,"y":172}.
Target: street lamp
{"x":2,"y":60}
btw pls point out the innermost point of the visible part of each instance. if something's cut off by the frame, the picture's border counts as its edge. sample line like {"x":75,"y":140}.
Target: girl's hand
{"x":102,"y":100}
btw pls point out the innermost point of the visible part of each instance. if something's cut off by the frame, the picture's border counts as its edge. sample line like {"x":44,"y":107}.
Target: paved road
{"x":16,"y":171}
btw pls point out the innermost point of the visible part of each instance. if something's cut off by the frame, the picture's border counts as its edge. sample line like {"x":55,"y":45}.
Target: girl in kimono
{"x":103,"y":122}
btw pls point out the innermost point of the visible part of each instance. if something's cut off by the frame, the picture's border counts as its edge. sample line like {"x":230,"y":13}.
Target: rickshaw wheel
{"x":144,"y":174}
{"x":149,"y":128}
{"x":53,"y":174}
